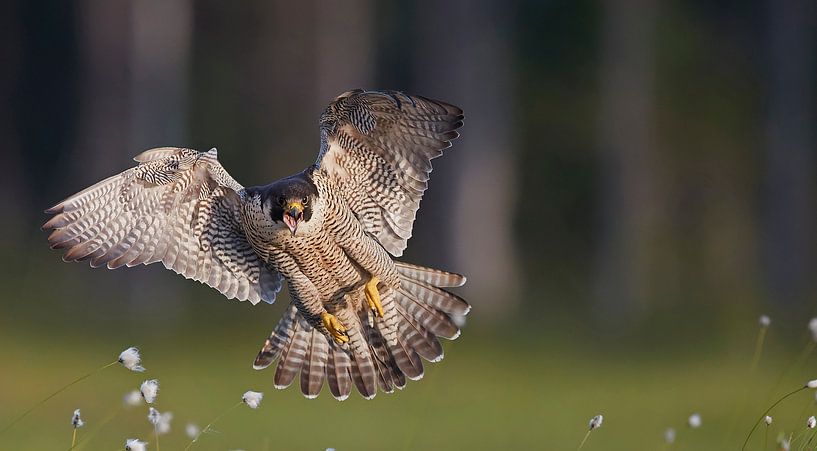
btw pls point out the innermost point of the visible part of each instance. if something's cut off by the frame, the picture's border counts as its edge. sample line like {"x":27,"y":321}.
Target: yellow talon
{"x":331,"y":323}
{"x":373,"y":296}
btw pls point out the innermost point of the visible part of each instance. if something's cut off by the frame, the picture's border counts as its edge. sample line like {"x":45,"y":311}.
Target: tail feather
{"x":407,"y":360}
{"x":363,"y":381}
{"x":435,"y":277}
{"x":424,"y":343}
{"x":339,"y":376}
{"x":292,"y":356}
{"x":279,"y":338}
{"x":436,"y":297}
{"x":364,"y":373}
{"x":389,"y":375}
{"x":314,"y":367}
{"x":435,"y":321}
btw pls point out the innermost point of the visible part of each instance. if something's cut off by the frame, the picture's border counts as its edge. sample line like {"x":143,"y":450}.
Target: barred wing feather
{"x":179,"y":207}
{"x":378,"y":147}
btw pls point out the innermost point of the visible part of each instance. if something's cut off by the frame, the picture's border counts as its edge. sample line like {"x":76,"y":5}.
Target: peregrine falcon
{"x":331,"y":231}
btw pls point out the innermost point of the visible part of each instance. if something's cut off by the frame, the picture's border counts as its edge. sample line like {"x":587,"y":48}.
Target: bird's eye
{"x":282,"y":200}
{"x":305,"y":200}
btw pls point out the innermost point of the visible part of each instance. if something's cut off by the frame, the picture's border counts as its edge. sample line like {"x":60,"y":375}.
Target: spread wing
{"x":378,"y":146}
{"x":179,"y":207}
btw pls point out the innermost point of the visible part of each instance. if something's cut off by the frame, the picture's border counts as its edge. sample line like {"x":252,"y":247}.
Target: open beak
{"x":293,"y":213}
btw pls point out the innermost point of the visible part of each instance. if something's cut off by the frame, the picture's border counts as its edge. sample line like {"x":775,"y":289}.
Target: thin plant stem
{"x":800,"y":435}
{"x":809,"y":440}
{"x":156,"y":432}
{"x":763,"y":415}
{"x":807,"y":350}
{"x":75,"y":381}
{"x":744,"y":398}
{"x":74,"y":439}
{"x":766,"y":438}
{"x":581,"y":445}
{"x":209,"y":425}
{"x":761,"y":336}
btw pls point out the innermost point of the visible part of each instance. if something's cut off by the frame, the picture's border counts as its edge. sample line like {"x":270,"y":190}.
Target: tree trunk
{"x":790,"y":164}
{"x":628,"y":204}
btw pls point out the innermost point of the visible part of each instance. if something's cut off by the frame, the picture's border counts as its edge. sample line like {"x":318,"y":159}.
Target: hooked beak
{"x":293,"y":213}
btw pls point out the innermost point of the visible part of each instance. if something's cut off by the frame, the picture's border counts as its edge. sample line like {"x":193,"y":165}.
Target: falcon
{"x":357,"y":317}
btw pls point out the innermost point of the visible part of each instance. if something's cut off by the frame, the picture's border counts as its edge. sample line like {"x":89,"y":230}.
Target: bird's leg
{"x":373,"y":296}
{"x":335,"y":328}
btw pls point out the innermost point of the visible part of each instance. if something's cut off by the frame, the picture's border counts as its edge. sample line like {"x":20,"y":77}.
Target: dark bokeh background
{"x":634,"y":185}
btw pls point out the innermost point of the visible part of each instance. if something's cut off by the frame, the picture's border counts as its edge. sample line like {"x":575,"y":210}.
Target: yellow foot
{"x":373,"y":296}
{"x":331,"y":323}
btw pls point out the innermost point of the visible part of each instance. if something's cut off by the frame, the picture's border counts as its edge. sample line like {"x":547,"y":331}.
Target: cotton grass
{"x":133,"y":359}
{"x":250,"y":398}
{"x":593,"y":424}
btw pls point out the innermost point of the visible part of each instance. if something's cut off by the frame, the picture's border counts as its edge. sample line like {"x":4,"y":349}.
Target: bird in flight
{"x":357,"y":317}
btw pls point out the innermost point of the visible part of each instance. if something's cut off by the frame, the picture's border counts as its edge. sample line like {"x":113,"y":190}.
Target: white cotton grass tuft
{"x":153,"y":416}
{"x":768,"y":420}
{"x":669,"y":436}
{"x":811,"y":422}
{"x":130,"y":359}
{"x":694,"y":421}
{"x":164,"y":423}
{"x":76,"y":420}
{"x":133,"y":444}
{"x":192,"y":430}
{"x":252,"y":399}
{"x":812,"y":327}
{"x":132,"y":398}
{"x":811,"y":384}
{"x":596,"y":421}
{"x":764,"y":321}
{"x":149,"y":390}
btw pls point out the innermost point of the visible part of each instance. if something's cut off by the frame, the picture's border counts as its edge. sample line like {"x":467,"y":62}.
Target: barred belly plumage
{"x":327,"y":266}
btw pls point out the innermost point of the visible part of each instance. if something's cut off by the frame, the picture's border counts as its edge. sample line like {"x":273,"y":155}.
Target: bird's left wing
{"x":378,"y":147}
{"x":179,"y":207}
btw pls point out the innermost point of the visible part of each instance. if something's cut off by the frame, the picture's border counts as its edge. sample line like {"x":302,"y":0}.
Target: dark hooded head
{"x":290,"y":200}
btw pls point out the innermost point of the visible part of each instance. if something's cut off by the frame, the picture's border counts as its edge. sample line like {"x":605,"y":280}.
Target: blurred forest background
{"x":635,"y":183}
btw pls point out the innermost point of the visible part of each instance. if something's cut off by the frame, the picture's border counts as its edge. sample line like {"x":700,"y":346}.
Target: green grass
{"x":490,"y":392}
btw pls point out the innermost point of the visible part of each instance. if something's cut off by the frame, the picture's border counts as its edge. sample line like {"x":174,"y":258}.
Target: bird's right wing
{"x":179,"y":207}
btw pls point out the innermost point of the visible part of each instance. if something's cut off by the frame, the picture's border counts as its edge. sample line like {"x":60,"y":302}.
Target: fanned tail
{"x":382,"y":352}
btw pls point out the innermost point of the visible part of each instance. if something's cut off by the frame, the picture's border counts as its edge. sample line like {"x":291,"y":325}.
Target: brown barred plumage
{"x":329,"y":231}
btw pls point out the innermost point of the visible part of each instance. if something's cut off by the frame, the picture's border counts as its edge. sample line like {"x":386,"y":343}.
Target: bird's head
{"x":291,"y":200}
